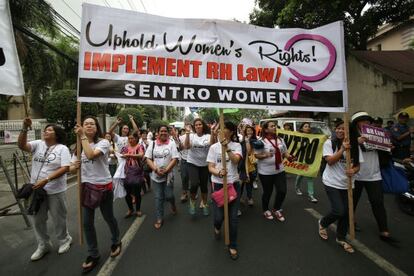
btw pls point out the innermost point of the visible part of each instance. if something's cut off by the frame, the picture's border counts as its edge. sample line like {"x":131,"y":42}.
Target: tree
{"x":361,"y":18}
{"x":209,"y":115}
{"x":155,"y":124}
{"x":136,"y":113}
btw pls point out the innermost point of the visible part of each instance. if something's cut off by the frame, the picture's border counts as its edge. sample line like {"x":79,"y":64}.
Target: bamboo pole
{"x":226,"y":198}
{"x":350,"y":194}
{"x":78,"y":175}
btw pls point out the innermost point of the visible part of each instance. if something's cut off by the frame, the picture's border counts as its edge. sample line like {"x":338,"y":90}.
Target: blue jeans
{"x":233,"y":218}
{"x":339,"y":211}
{"x":162,"y":193}
{"x":107,"y":212}
{"x":184,"y":174}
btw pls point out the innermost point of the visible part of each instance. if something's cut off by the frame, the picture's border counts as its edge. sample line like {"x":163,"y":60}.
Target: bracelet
{"x":84,"y":138}
{"x":228,"y":151}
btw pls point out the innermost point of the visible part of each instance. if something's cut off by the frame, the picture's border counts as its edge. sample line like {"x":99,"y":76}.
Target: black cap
{"x":403,"y":114}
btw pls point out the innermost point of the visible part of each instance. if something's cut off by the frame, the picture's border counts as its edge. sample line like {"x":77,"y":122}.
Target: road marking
{"x":377,"y":259}
{"x":111,"y":263}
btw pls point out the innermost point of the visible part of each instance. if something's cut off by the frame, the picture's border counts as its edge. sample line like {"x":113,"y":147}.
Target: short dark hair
{"x":59,"y":133}
{"x":143,"y":131}
{"x":161,"y":126}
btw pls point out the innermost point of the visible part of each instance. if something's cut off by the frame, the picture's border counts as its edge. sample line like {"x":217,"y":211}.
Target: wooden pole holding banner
{"x":226,"y":196}
{"x":78,"y":174}
{"x":350,"y":194}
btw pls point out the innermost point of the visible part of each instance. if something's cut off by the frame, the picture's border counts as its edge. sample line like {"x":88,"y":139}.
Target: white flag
{"x":11,"y":80}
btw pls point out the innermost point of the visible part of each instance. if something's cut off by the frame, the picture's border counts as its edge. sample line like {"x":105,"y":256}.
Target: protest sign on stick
{"x":377,"y":138}
{"x":350,"y":194}
{"x":78,"y":174}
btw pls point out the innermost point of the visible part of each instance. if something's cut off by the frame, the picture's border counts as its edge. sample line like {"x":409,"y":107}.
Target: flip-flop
{"x":93,"y":261}
{"x":234,"y":256}
{"x":346,"y":246}
{"x":158,"y":224}
{"x":322,"y":231}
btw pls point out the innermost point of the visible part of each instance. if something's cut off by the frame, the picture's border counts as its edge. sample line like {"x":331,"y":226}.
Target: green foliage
{"x":361,"y":18}
{"x":136,"y":113}
{"x":154,"y":124}
{"x":209,"y":115}
{"x":60,"y":108}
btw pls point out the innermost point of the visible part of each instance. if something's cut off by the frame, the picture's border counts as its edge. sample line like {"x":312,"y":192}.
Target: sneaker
{"x":313,"y":199}
{"x":279,"y":216}
{"x":63,"y":248}
{"x":192,"y":208}
{"x":250,"y":202}
{"x":298,"y":192}
{"x":268,"y":215}
{"x":184,"y":197}
{"x":239,"y":213}
{"x":206,"y":210}
{"x":255,"y":186}
{"x":40,"y":252}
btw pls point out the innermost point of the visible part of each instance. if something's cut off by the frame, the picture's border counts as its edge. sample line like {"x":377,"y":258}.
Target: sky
{"x":71,"y":10}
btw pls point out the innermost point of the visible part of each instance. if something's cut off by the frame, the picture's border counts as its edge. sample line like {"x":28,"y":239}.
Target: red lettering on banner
{"x":296,"y":165}
{"x":217,"y":71}
{"x":101,"y":62}
{"x":116,"y":61}
{"x":258,"y":74}
{"x":87,"y":61}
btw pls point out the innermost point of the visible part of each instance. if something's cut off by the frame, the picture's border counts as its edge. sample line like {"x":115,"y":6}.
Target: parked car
{"x":318,"y":127}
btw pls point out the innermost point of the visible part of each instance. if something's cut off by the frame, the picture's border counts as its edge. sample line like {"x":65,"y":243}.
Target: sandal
{"x":158,"y":224}
{"x":116,"y":249}
{"x":138,"y":214}
{"x":346,"y":246}
{"x":322,"y":231}
{"x":89,"y":264}
{"x":129,"y":214}
{"x":233,"y":255}
{"x":268,"y":215}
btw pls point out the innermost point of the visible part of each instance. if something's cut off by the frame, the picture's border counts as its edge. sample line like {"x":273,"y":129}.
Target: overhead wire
{"x":67,"y":5}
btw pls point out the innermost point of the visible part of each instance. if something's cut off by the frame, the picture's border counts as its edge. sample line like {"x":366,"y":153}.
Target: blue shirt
{"x":396,"y":131}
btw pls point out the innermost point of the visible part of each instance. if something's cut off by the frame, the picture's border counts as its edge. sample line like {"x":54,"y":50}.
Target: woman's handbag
{"x":394,"y":180}
{"x":93,"y":195}
{"x":218,"y":196}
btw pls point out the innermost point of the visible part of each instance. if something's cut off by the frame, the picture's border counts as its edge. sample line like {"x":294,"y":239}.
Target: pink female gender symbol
{"x":301,"y":78}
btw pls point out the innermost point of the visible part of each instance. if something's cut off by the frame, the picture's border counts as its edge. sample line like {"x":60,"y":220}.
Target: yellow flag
{"x":308,"y":150}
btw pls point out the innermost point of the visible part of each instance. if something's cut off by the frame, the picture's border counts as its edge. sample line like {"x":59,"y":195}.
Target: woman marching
{"x":198,"y":144}
{"x":233,"y":157}
{"x":335,"y":180}
{"x":50,"y":163}
{"x":247,"y":167}
{"x":112,"y":157}
{"x":271,"y":170}
{"x":96,"y":188}
{"x":305,"y":128}
{"x":162,"y":156}
{"x":121,"y":140}
{"x":369,"y":176}
{"x":134,"y":174}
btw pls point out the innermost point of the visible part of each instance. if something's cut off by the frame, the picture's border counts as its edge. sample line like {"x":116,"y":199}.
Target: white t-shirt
{"x":370,"y":168}
{"x":121,"y":142}
{"x":96,"y":171}
{"x":334,"y":175}
{"x":162,"y":156}
{"x":214,"y":156}
{"x":56,"y":157}
{"x":183,"y":152}
{"x":197,"y":154}
{"x":267,"y":166}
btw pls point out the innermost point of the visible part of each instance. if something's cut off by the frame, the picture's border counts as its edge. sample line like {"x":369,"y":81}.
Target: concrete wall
{"x":394,"y":40}
{"x":369,"y":90}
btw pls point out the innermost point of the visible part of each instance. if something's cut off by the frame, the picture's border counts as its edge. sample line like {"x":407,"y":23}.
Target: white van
{"x":318,"y":127}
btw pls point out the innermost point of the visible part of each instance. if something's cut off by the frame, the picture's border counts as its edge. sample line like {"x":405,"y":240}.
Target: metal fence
{"x":16,"y":125}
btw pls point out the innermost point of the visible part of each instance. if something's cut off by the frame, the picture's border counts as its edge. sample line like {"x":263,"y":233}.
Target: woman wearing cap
{"x":214,"y":159}
{"x":369,"y":176}
{"x":335,"y":180}
{"x":305,"y":128}
{"x":271,"y":170}
{"x":50,"y":163}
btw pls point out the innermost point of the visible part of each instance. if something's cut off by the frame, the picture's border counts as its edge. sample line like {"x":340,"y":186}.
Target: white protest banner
{"x":135,"y":58}
{"x":11,"y":80}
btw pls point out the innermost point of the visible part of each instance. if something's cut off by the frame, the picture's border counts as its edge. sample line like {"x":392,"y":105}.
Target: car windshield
{"x":317,"y":128}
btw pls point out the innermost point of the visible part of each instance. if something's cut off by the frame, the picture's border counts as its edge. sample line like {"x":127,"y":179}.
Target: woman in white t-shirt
{"x":369,"y":176}
{"x":50,"y":163}
{"x":95,"y":176}
{"x":162,"y":155}
{"x":335,"y":180}
{"x":271,"y":171}
{"x":198,"y":144}
{"x":233,"y":156}
{"x":121,"y":140}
